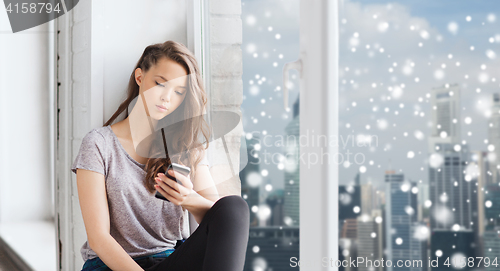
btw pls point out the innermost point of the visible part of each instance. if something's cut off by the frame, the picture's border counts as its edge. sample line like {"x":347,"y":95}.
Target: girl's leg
{"x":219,"y":243}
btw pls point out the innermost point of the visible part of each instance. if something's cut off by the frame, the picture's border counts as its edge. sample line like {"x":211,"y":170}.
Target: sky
{"x":426,"y":44}
{"x":402,"y":49}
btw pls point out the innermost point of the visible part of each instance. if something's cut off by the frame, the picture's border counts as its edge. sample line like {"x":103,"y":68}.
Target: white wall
{"x":128,"y":27}
{"x":25,"y":187}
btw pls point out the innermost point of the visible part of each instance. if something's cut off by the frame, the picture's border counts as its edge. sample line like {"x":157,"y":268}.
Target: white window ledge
{"x":33,"y":241}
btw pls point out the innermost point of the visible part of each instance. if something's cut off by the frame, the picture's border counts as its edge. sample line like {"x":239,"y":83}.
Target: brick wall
{"x":226,"y":88}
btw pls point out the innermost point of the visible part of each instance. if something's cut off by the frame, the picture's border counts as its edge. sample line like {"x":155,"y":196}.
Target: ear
{"x":138,"y":76}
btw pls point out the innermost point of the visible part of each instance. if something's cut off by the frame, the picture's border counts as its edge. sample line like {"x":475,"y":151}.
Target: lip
{"x":161,"y":108}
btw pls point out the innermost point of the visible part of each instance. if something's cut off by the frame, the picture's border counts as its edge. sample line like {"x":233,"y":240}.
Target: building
{"x":452,"y":246}
{"x":275,"y":202}
{"x":423,"y":196}
{"x":491,"y":206}
{"x":367,"y":198}
{"x":270,"y":248}
{"x":369,"y":237}
{"x":348,"y":241}
{"x":400,"y":216}
{"x":349,"y":199}
{"x":486,"y":190}
{"x":453,"y":193}
{"x":445,"y":115}
{"x":492,"y":247}
{"x":249,"y":189}
{"x":419,"y":238}
{"x":292,"y":177}
{"x":494,"y":135}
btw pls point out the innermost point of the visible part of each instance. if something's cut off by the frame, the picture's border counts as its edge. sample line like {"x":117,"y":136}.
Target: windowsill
{"x":33,"y":241}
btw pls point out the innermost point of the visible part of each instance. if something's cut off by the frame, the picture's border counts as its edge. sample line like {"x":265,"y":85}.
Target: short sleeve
{"x":92,"y":153}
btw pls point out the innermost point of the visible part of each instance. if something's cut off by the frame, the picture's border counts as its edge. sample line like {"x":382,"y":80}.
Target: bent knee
{"x":233,"y":204}
{"x":233,"y":200}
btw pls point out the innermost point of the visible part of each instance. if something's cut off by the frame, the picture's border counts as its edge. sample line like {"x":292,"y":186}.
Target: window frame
{"x":318,"y":200}
{"x":196,"y":28}
{"x":319,"y":112}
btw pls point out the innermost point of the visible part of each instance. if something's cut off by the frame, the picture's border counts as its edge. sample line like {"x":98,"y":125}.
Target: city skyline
{"x":402,"y":51}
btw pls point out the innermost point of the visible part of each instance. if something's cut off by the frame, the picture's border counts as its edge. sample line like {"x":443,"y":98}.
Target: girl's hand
{"x":175,"y":192}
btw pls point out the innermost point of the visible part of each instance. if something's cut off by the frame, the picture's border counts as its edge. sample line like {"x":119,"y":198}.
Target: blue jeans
{"x":96,"y":264}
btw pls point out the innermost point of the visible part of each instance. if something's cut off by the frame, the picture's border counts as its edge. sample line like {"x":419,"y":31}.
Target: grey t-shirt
{"x":139,"y":222}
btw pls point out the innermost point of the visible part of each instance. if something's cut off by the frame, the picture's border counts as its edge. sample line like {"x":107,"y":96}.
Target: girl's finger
{"x":168,"y":187}
{"x":184,"y":180}
{"x":167,"y":180}
{"x":180,"y":189}
{"x":167,"y":195}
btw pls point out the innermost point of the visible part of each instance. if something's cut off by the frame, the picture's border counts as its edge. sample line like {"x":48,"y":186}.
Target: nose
{"x":165,"y":95}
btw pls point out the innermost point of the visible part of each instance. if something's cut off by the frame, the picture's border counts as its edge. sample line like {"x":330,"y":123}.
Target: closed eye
{"x":161,"y":85}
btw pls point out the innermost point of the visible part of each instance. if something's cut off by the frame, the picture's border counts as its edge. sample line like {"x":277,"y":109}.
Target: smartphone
{"x":180,"y":169}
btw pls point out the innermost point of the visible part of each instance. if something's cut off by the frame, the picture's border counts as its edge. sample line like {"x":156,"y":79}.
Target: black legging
{"x":219,"y":243}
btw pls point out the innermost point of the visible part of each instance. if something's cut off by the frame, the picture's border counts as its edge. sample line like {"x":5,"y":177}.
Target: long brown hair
{"x":185,"y":139}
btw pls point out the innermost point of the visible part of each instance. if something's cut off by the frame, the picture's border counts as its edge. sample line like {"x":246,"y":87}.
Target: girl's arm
{"x":205,"y":194}
{"x":94,"y":206}
{"x":204,"y":183}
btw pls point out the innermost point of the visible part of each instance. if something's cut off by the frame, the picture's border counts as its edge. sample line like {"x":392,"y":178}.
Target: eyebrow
{"x":168,"y":80}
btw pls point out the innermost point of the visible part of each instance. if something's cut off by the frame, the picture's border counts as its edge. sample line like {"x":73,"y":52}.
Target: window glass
{"x":420,"y":134}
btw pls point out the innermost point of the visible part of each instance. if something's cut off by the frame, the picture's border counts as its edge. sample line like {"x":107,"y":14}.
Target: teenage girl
{"x":127,"y":227}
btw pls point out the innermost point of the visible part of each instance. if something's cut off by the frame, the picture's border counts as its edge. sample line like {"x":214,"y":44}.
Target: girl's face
{"x":164,"y":87}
